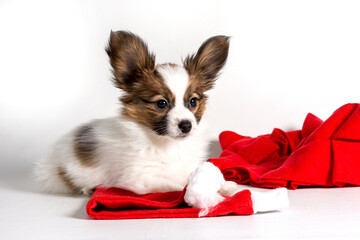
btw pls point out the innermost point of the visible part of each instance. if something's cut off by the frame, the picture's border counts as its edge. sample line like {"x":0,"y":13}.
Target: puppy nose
{"x":185,"y":126}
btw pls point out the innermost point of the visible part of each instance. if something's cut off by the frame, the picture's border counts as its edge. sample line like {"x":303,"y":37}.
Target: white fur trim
{"x":204,"y":185}
{"x":271,"y":200}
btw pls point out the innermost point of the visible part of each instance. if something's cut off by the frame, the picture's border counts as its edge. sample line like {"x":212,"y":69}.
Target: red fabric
{"x":115,"y":203}
{"x":322,"y":154}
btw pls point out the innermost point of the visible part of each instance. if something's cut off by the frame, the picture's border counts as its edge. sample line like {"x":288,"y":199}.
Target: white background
{"x":287,"y":58}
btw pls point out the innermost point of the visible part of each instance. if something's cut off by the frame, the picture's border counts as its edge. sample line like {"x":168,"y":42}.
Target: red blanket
{"x":114,"y":203}
{"x":322,"y":154}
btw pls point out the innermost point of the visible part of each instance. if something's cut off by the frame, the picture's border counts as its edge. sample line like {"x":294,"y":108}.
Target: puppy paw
{"x":87,"y":191}
{"x":229,"y":188}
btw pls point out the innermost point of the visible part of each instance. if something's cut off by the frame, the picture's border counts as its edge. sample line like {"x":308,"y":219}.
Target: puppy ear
{"x":129,"y":58}
{"x":208,"y":60}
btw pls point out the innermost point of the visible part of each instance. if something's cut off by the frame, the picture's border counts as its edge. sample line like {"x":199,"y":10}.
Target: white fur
{"x":174,"y":77}
{"x":131,"y":156}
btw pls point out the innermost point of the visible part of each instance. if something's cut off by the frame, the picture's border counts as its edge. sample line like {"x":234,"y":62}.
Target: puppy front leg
{"x":230,"y":188}
{"x":151,"y":184}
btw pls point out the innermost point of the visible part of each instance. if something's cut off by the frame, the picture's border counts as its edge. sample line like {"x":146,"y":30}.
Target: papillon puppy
{"x":157,"y":140}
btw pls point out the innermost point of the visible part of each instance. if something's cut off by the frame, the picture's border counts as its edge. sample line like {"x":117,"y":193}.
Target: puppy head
{"x":168,"y":98}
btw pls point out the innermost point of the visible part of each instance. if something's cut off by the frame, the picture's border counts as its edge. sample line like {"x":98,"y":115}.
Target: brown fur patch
{"x":129,"y":57}
{"x":208,"y":61}
{"x":196,"y":90}
{"x":135,"y":73}
{"x":84,"y":145}
{"x":67,"y":181}
{"x":140,"y":102}
{"x":203,"y":69}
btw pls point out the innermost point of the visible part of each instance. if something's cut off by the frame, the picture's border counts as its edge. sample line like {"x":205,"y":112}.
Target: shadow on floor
{"x":214,"y":149}
{"x":19,"y":178}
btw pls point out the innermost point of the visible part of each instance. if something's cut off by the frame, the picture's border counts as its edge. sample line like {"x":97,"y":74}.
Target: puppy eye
{"x":193,"y":102}
{"x":162,"y":103}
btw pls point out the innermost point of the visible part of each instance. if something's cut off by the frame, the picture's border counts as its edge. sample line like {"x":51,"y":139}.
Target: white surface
{"x":313,"y":214}
{"x":287,"y":58}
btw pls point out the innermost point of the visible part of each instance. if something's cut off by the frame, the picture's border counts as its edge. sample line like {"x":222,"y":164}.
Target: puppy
{"x":157,"y":140}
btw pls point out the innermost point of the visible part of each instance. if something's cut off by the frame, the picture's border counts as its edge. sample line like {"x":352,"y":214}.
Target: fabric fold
{"x":321,"y":154}
{"x":114,"y":203}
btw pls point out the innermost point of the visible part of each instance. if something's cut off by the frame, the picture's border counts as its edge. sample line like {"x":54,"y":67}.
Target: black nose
{"x":185,"y":126}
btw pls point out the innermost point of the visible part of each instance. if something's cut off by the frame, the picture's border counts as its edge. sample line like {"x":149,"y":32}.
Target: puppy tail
{"x":51,"y":177}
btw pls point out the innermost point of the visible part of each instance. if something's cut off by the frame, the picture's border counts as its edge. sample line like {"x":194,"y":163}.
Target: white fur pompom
{"x":204,"y":185}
